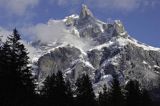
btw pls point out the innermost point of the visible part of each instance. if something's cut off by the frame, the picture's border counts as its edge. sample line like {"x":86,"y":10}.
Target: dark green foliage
{"x":69,"y":93}
{"x":136,"y":96}
{"x":116,"y":97}
{"x":16,"y":80}
{"x":156,"y":91}
{"x":103,"y":97}
{"x":84,"y":92}
{"x":133,"y":94}
{"x":56,"y":91}
{"x":146,"y":100}
{"x":61,"y":91}
{"x":48,"y":91}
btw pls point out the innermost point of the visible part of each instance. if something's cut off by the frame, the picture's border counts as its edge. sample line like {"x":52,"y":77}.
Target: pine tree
{"x":156,"y":100}
{"x":56,"y":91}
{"x":69,"y":93}
{"x":116,"y":97}
{"x":84,"y":92}
{"x":17,"y":80}
{"x":61,"y":96}
{"x":103,"y":97}
{"x":146,"y":100}
{"x":49,"y":89}
{"x":133,"y":94}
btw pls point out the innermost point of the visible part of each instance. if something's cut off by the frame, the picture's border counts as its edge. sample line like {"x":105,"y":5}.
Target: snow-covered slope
{"x":97,"y":48}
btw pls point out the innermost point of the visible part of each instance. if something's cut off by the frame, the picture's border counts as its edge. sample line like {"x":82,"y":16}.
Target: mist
{"x":56,"y":31}
{"x":4,"y":33}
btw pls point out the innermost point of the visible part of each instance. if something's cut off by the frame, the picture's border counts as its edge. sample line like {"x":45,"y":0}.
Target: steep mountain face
{"x":112,"y":51}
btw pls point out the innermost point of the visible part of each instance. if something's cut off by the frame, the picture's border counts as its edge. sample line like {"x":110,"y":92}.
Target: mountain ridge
{"x":99,"y":49}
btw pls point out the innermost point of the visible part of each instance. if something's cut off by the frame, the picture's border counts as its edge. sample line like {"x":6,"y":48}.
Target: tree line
{"x":18,"y":88}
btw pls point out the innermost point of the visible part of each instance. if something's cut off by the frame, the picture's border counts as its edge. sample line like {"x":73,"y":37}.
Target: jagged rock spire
{"x":85,"y":12}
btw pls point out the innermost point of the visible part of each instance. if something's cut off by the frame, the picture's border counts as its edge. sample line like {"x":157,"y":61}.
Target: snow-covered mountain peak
{"x":85,"y":12}
{"x":83,"y":44}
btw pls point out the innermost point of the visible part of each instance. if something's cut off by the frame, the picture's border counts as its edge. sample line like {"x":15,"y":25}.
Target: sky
{"x":141,"y":18}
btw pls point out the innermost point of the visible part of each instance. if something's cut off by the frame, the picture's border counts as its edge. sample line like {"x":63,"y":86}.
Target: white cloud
{"x":116,"y":4}
{"x":65,"y":2}
{"x":125,"y":5}
{"x":4,"y":33}
{"x":18,"y":7}
{"x":3,"y":36}
{"x":122,"y":5}
{"x":54,"y":31}
{"x":32,"y":51}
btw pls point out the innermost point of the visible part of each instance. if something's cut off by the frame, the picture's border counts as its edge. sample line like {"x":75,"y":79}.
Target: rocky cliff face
{"x":113,"y":52}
